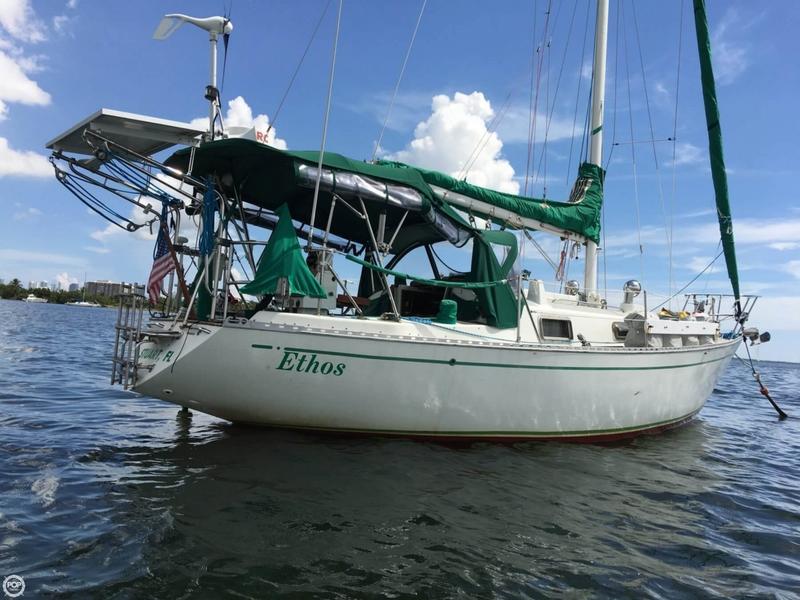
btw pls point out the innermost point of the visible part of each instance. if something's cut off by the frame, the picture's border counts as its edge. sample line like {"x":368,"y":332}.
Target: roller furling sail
{"x":718,"y":173}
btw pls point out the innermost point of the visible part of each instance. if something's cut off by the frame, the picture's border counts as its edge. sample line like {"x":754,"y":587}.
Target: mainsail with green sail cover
{"x":718,"y":173}
{"x":580,"y":215}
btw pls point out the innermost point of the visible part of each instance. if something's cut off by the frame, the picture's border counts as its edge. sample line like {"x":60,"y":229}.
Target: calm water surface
{"x":104,"y":493}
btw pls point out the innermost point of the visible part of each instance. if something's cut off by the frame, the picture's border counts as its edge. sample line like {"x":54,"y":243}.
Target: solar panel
{"x":140,"y":133}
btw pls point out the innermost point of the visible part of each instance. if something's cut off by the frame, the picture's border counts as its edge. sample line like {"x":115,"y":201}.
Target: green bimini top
{"x":268,"y":177}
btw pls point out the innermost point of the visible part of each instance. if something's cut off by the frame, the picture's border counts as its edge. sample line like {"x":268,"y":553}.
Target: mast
{"x":596,"y":129}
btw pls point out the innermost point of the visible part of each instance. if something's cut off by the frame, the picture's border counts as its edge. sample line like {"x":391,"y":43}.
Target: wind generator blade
{"x":167,"y":27}
{"x":225,"y":38}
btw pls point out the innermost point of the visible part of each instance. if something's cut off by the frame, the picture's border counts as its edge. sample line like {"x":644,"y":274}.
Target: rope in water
{"x":762,"y":388}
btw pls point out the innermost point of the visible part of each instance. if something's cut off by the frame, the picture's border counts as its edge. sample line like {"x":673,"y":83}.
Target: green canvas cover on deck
{"x":279,"y":180}
{"x":283,"y":259}
{"x":498,"y":304}
{"x":268,"y":177}
{"x":487,"y":278}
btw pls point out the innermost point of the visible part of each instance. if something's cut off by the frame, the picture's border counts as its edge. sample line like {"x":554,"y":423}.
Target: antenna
{"x":215,"y":26}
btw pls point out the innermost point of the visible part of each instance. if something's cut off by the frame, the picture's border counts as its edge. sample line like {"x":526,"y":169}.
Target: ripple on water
{"x":104,"y":493}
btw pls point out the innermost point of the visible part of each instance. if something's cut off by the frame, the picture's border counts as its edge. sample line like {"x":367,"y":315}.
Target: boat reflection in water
{"x":254,"y":510}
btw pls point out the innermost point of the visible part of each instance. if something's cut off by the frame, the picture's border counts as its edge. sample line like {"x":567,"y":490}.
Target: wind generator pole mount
{"x":215,"y":26}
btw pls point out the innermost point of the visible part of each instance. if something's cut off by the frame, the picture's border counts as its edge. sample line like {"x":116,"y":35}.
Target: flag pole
{"x":178,"y":268}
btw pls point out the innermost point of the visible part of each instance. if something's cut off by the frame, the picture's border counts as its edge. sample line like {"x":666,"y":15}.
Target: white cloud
{"x":698,"y":263}
{"x":97,"y":249}
{"x":22,"y":163}
{"x":11,"y":255}
{"x":447,"y":139}
{"x":793,"y":268}
{"x":61,"y":23}
{"x":237,"y":275}
{"x":513,"y":129}
{"x":63,"y":280}
{"x":688,"y":154}
{"x":27,"y":214}
{"x":778,"y":312}
{"x":630,"y":238}
{"x":785,"y":246}
{"x":730,"y":58}
{"x":16,"y":86}
{"x":745,"y":232}
{"x":407,"y":110}
{"x":239,"y":114}
{"x":750,"y":231}
{"x":138,"y":215}
{"x":696,"y":213}
{"x":19,"y":20}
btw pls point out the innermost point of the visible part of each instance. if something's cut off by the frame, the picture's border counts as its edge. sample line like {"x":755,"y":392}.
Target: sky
{"x":463,"y":106}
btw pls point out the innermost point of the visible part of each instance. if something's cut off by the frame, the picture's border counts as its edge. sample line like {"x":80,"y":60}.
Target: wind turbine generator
{"x":215,"y":26}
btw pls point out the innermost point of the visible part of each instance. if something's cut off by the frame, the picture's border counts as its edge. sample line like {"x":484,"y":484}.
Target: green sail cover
{"x":283,"y":259}
{"x":582,"y":217}
{"x":718,"y":173}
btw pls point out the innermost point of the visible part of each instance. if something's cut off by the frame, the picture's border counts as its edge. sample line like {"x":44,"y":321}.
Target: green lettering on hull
{"x":308,"y":363}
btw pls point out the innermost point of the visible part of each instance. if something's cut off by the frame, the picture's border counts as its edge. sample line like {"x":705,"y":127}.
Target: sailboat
{"x":83,"y":303}
{"x":468,"y":355}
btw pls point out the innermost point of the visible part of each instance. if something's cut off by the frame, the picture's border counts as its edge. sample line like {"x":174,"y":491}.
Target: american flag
{"x":162,"y":262}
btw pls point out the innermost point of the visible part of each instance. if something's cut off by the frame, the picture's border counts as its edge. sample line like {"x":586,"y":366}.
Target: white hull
{"x":300,"y":372}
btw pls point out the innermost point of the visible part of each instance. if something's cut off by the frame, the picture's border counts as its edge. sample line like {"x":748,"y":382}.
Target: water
{"x":107,"y":494}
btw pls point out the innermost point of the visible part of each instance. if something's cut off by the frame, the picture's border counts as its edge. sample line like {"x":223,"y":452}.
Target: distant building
{"x":74,"y":287}
{"x":112,"y":289}
{"x":43,"y":284}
